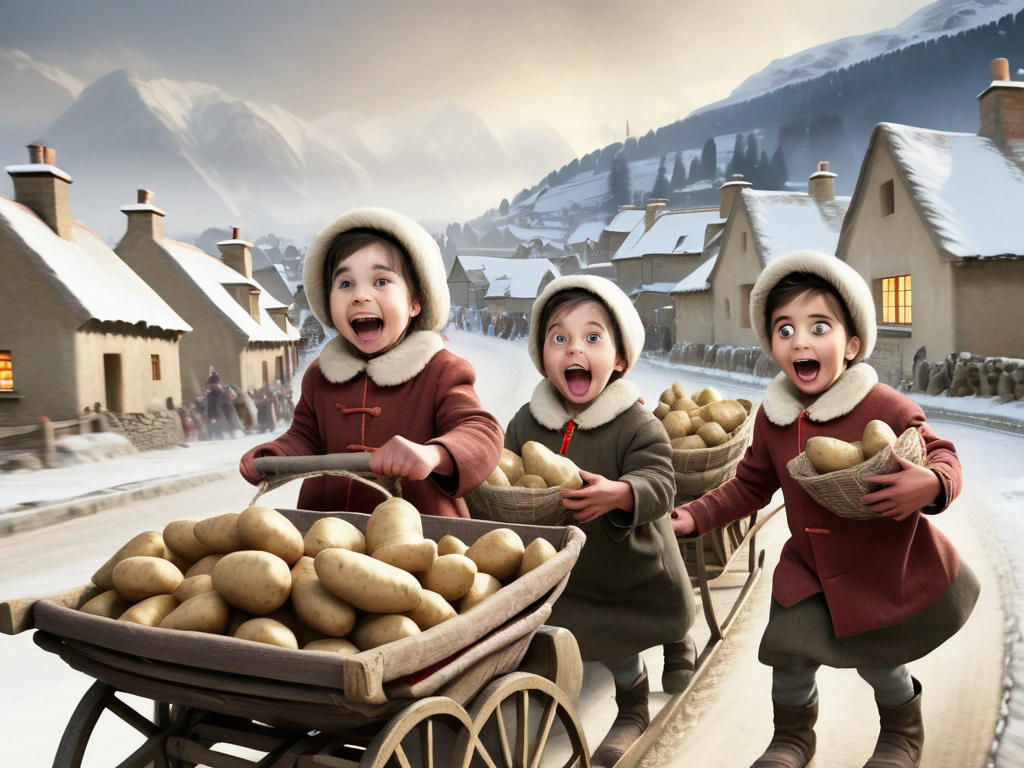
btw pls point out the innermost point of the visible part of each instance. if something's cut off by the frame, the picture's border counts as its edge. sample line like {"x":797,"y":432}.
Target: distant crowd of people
{"x":223,"y":411}
{"x":505,"y":325}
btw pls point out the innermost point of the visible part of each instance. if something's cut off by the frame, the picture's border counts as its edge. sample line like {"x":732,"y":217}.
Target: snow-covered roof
{"x":700,"y":278}
{"x":653,"y":288}
{"x":210,"y":275}
{"x":94,"y":281}
{"x":590,"y":231}
{"x":789,"y":221}
{"x":526,"y":234}
{"x":671,"y":232}
{"x":968,"y":190}
{"x":513,"y":278}
{"x":624,"y":221}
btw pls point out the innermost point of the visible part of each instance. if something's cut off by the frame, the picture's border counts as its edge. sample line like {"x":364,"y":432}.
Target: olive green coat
{"x":629,"y":589}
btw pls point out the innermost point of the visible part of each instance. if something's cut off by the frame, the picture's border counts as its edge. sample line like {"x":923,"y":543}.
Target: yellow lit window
{"x":896,"y":300}
{"x":6,"y":371}
{"x":154,"y":362}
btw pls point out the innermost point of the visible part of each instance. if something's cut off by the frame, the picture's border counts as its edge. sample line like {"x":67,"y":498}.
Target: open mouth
{"x":577,"y":378}
{"x":367,"y":328}
{"x":806,"y":370}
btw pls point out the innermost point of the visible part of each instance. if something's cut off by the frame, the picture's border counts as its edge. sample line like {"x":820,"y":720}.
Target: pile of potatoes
{"x":252,"y":575}
{"x":703,"y":421}
{"x":539,"y":467}
{"x":830,"y":454}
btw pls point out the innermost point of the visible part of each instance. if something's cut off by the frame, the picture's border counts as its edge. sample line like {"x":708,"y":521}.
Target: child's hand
{"x":904,"y":492}
{"x":683,"y":523}
{"x":399,"y":457}
{"x":248,"y":469}
{"x":598,"y":496}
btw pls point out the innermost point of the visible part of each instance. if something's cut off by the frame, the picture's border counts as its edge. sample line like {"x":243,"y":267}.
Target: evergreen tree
{"x":780,"y":174}
{"x":694,"y":173}
{"x":709,"y":160}
{"x":765,"y":178}
{"x":469,"y":237}
{"x":503,"y":207}
{"x":620,"y":186}
{"x":737,"y":163}
{"x":453,"y":232}
{"x":678,"y":172}
{"x":752,"y":155}
{"x":660,"y":188}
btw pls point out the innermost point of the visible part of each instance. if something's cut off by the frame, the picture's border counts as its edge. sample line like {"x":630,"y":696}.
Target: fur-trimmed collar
{"x":782,"y":403}
{"x":549,"y":410}
{"x":396,"y":366}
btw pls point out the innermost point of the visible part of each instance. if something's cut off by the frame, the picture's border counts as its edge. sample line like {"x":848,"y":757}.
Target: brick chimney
{"x":145,"y":220}
{"x":1001,"y":106}
{"x":235,"y":253}
{"x":655,"y":207}
{"x":728,"y":193}
{"x":279,"y":316}
{"x":821,"y":184}
{"x":43,"y":187}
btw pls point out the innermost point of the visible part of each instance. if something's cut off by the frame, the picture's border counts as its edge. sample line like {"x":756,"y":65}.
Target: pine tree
{"x":694,"y":174}
{"x":737,"y":163}
{"x":751,"y":157}
{"x":678,"y":172}
{"x":660,"y":188}
{"x":503,"y":207}
{"x":620,"y":186}
{"x":709,"y":160}
{"x":780,"y":174}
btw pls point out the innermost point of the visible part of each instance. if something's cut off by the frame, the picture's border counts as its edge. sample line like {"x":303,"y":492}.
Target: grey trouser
{"x":626,"y":671}
{"x":793,"y":683}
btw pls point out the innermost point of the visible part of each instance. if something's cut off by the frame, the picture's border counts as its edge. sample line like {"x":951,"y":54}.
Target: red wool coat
{"x":418,"y":390}
{"x":873,"y":573}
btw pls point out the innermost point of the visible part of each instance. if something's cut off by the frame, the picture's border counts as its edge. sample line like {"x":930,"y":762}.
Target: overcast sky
{"x":585,"y":67}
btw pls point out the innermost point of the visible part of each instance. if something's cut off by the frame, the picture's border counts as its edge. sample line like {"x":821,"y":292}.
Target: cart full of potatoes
{"x":294,"y":638}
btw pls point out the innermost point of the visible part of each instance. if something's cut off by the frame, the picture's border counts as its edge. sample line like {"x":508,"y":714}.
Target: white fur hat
{"x":622,"y":311}
{"x":424,"y":256}
{"x":846,"y":280}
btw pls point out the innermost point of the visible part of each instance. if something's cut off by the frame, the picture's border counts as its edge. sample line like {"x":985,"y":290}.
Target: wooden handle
{"x":274,"y":466}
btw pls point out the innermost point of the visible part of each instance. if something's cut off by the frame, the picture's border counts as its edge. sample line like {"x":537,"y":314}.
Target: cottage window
{"x":154,"y":364}
{"x":896,"y":300}
{"x":743,"y":242}
{"x":6,"y":371}
{"x":887,"y":198}
{"x":745,"y":304}
{"x":727,"y":313}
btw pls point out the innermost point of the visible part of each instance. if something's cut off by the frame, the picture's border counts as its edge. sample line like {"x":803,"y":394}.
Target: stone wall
{"x":966,"y":375}
{"x":724,"y":357}
{"x":148,"y":431}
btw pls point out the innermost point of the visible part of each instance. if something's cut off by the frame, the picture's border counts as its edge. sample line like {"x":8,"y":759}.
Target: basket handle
{"x":281,"y":470}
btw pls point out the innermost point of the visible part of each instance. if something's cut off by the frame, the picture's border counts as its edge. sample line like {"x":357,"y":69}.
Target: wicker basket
{"x":527,"y":506}
{"x":729,"y":452}
{"x":840,"y":491}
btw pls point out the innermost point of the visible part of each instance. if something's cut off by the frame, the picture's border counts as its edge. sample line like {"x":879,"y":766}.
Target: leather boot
{"x":901,"y":738}
{"x":632,"y":720}
{"x":680,"y":664}
{"x":792,"y":745}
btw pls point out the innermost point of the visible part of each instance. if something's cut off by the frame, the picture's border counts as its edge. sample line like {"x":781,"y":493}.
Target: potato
{"x":484,"y":585}
{"x":148,"y":544}
{"x":108,"y":604}
{"x":206,"y":612}
{"x":712,"y":434}
{"x":150,"y":611}
{"x":684,"y":404}
{"x":696,"y":422}
{"x":537,"y":552}
{"x":707,"y":395}
{"x":220,"y":533}
{"x":367,"y":583}
{"x":317,"y":608}
{"x":668,"y":397}
{"x":303,"y":569}
{"x":877,"y":435}
{"x":451,"y":545}
{"x":531,"y":481}
{"x":554,"y":468}
{"x":203,"y":565}
{"x":333,"y":532}
{"x":376,"y":630}
{"x":337,"y":645}
{"x":498,"y":552}
{"x":679,"y":390}
{"x":286,"y":615}
{"x":829,"y":454}
{"x":661,"y":410}
{"x":677,"y":424}
{"x":729,"y":413}
{"x":511,"y":464}
{"x":451,"y":576}
{"x":255,"y":581}
{"x":394,"y":535}
{"x":688,"y":443}
{"x":432,"y":610}
{"x":192,"y":586}
{"x":139,"y":577}
{"x":180,"y":538}
{"x":498,"y":478}
{"x":267,"y":631}
{"x":268,"y":530}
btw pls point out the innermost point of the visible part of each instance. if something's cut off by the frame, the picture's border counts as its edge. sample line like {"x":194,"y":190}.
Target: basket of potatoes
{"x":834,"y":472}
{"x":526,"y":489}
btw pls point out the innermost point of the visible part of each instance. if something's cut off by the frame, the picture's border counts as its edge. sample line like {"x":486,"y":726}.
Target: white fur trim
{"x":847,"y":281}
{"x":623,"y":313}
{"x":423,"y":252}
{"x":782,"y":404}
{"x":549,"y":409}
{"x":396,"y":366}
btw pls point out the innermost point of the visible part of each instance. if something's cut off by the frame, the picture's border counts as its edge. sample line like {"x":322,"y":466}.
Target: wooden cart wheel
{"x":98,"y":699}
{"x":523,"y":720}
{"x":431,"y":733}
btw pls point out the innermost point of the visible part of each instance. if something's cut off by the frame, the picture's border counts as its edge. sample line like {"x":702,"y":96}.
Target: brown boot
{"x":901,"y":738}
{"x":792,"y":745}
{"x":680,"y":664}
{"x":632,"y":720}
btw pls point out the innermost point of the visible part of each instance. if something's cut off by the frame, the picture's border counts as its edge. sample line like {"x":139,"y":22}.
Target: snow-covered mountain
{"x":33,"y":94}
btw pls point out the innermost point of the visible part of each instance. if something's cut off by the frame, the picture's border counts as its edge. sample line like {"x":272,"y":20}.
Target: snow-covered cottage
{"x":240,"y":328}
{"x":499,"y":285}
{"x":938,"y":216}
{"x":583,"y":241}
{"x":620,"y":226}
{"x":77,"y":326}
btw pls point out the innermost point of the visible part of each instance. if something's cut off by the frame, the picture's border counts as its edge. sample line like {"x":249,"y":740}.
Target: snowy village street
{"x":726,"y":721}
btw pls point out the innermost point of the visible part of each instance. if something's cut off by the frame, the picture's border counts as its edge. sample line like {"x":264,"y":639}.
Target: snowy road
{"x":729,"y":720}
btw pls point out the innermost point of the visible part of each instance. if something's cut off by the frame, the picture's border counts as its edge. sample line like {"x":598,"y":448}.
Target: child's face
{"x":371,"y":305}
{"x":810,"y":344}
{"x":580,"y":354}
